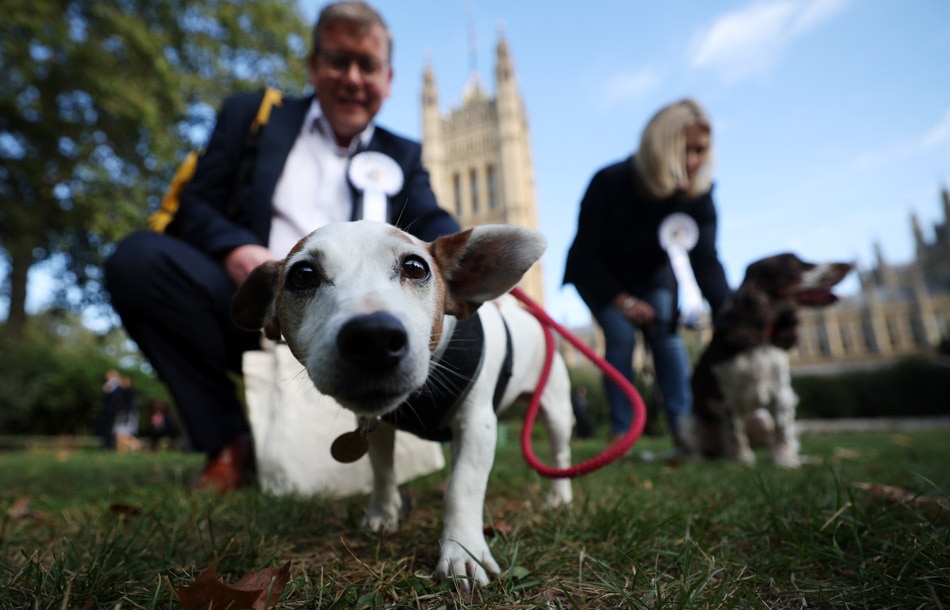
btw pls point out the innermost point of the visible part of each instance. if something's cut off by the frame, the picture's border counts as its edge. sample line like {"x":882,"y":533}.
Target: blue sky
{"x":831,"y":117}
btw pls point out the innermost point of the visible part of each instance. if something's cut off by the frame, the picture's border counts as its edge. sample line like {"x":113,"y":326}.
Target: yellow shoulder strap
{"x":169,"y":206}
{"x":272,"y":97}
{"x":160,"y":220}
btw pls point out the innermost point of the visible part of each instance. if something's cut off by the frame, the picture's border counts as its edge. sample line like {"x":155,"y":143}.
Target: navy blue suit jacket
{"x":617,"y":249}
{"x":202,"y":219}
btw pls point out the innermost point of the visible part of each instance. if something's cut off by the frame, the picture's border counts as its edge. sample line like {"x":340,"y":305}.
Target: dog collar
{"x":428,"y":413}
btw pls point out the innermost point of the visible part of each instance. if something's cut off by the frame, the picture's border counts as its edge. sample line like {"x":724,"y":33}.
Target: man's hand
{"x":636,"y":310}
{"x":242,"y":260}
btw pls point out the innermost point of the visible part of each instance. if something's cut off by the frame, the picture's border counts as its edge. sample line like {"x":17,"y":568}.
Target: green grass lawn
{"x":122,"y":531}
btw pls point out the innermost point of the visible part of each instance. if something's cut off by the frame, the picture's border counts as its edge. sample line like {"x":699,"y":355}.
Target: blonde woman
{"x":624,"y":274}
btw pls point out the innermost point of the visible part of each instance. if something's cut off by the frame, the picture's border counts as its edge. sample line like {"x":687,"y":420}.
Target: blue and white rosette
{"x":378,"y":176}
{"x":679,"y":234}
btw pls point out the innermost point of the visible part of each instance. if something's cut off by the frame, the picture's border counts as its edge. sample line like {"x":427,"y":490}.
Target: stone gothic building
{"x":901,"y":309}
{"x":479,"y":154}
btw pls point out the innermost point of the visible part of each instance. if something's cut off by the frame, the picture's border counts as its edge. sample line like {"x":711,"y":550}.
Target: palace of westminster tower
{"x":479,"y":155}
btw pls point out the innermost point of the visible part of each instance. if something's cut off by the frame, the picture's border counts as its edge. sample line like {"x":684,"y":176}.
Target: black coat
{"x":617,"y":248}
{"x":202,"y":220}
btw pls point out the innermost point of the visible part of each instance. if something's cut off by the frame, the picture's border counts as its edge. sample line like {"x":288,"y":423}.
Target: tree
{"x":99,"y":101}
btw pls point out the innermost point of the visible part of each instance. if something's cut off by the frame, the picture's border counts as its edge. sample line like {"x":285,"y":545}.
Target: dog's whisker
{"x":402,"y":211}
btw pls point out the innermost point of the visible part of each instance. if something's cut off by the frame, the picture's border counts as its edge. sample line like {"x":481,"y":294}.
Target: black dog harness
{"x":427,"y":414}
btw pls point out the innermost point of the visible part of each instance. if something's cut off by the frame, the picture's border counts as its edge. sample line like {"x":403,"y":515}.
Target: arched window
{"x":473,"y":180}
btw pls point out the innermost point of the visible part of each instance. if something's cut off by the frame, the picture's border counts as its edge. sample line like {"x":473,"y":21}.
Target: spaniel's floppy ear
{"x":746,"y":320}
{"x":254,"y":305}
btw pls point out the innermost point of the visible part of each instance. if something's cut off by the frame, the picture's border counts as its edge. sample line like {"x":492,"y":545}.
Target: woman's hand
{"x":636,"y":310}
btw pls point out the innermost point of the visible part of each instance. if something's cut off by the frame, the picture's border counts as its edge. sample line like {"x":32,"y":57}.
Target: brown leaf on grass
{"x":901,"y":440}
{"x":843,"y":453}
{"x":886,"y":492}
{"x":499,"y":527}
{"x":262,"y":581}
{"x":675,"y":462}
{"x":933,"y":509}
{"x":127,"y":510}
{"x":250,"y":593}
{"x":20,"y":508}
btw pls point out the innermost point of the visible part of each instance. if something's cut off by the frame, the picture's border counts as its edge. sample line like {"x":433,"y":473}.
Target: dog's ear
{"x":744,"y":324}
{"x":484,"y":263}
{"x":253,"y":306}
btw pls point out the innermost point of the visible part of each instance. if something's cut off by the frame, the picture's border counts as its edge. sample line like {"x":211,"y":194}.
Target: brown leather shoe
{"x":229,"y":469}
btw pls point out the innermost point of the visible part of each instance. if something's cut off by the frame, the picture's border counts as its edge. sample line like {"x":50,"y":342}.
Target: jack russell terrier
{"x":392,"y":328}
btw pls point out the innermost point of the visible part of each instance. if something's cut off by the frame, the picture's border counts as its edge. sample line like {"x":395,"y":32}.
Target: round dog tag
{"x":349,"y":447}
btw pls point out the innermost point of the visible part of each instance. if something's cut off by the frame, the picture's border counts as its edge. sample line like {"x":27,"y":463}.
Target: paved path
{"x":876,"y":424}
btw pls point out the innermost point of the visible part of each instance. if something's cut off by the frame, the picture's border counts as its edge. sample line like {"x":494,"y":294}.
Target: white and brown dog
{"x":742,"y":392}
{"x":391,"y":327}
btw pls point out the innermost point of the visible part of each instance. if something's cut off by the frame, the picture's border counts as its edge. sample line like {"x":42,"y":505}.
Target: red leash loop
{"x":610,"y":454}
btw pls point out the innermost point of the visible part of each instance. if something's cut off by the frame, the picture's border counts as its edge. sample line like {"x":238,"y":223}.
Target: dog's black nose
{"x":374,"y":342}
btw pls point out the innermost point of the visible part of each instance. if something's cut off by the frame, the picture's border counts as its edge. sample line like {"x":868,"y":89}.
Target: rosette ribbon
{"x":678,"y":235}
{"x":377,"y":176}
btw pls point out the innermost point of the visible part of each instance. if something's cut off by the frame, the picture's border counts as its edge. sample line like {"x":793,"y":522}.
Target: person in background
{"x":109,"y":406}
{"x":621,"y":269}
{"x":173,"y":290}
{"x":582,"y":426}
{"x":126,"y":424}
{"x":161,"y":425}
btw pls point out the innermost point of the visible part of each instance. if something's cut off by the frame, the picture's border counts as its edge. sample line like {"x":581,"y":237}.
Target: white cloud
{"x":626,"y":87}
{"x":939,"y":135}
{"x":749,"y":41}
{"x":935,"y":137}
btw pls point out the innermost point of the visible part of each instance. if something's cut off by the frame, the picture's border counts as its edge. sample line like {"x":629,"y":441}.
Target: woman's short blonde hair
{"x":661,"y":158}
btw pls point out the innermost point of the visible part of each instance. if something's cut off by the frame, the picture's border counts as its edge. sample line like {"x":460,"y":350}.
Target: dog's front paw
{"x":785,"y":456}
{"x":745,"y":456}
{"x":559,"y":494}
{"x":469,"y":564}
{"x":383,"y":516}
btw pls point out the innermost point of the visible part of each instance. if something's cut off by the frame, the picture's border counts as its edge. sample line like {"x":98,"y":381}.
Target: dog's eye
{"x":303,"y":276}
{"x":415,"y":268}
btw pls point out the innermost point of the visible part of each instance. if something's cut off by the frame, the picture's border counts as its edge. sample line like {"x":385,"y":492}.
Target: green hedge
{"x":910,"y":387}
{"x":53,"y":387}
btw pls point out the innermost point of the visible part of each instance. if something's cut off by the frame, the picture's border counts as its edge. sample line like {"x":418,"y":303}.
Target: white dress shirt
{"x":312,"y":189}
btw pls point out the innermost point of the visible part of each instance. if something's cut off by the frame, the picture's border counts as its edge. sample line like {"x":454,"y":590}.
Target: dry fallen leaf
{"x":887,"y":492}
{"x":499,"y":527}
{"x":262,"y":581}
{"x":933,"y":509}
{"x":250,"y":593}
{"x":128,"y":510}
{"x":20,"y":508}
{"x":843,"y":453}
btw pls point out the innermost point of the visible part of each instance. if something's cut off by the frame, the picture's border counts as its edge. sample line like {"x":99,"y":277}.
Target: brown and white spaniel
{"x":742,"y":392}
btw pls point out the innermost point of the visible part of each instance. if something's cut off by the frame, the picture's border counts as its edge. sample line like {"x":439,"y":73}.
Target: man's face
{"x":352,"y":77}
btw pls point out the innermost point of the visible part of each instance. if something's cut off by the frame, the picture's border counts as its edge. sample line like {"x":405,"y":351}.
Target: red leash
{"x":610,"y":454}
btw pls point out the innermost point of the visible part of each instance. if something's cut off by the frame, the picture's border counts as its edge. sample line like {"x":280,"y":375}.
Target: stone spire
{"x":919,"y":241}
{"x":433,"y":150}
{"x":474,"y":90}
